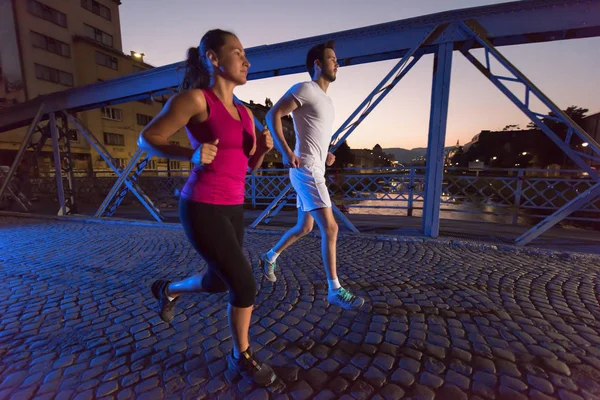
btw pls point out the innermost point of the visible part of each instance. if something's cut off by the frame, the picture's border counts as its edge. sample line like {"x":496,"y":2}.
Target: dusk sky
{"x":567,"y":71}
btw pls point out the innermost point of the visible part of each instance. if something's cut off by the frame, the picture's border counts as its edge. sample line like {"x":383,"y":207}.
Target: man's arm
{"x":263,"y":143}
{"x":283,"y":107}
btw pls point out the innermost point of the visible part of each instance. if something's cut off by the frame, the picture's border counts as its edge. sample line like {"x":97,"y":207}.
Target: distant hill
{"x":404,"y":156}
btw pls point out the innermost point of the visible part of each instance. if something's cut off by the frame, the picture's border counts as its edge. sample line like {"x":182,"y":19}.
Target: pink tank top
{"x":222,"y":181}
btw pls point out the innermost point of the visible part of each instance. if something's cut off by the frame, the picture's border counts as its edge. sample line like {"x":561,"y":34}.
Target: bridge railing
{"x":513,"y":192}
{"x":535,"y":192}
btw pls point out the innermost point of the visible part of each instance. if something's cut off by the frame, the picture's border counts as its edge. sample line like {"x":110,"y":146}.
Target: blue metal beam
{"x":518,"y":22}
{"x":573,"y":205}
{"x":57,"y":168}
{"x":434,"y":174}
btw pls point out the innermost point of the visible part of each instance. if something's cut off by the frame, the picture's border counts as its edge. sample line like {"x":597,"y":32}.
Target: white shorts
{"x":311,"y":189}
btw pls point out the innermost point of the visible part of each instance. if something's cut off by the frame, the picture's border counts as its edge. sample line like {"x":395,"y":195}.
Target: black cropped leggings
{"x":217,"y":234}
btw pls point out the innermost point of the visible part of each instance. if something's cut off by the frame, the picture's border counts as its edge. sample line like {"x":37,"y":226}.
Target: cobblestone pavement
{"x":77,"y":320}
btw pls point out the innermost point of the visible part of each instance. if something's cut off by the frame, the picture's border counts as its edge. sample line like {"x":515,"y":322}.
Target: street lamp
{"x":524,"y":153}
{"x":585,"y":144}
{"x":494,"y":158}
{"x":135,"y":54}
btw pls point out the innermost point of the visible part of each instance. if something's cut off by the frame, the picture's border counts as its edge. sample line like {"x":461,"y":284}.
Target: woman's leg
{"x":195,"y":218}
{"x":242,"y":293}
{"x":217,"y":234}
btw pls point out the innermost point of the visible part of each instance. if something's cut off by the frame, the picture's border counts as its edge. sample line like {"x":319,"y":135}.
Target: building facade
{"x":54,"y":45}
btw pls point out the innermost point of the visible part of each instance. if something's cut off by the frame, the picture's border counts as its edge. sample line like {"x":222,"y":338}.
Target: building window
{"x":151,"y":164}
{"x":120,"y":162}
{"x":174,"y":165}
{"x":143,"y":119}
{"x":107,"y":61}
{"x":96,"y":8}
{"x":48,"y":13}
{"x":52,"y":45}
{"x":53,"y":75}
{"x":98,"y":35}
{"x":114,"y":139}
{"x":113,"y":114}
{"x":137,"y":68}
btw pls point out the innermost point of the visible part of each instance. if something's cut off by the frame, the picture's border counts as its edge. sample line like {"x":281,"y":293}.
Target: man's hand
{"x":264,"y":141}
{"x":290,"y":160}
{"x":205,"y":153}
{"x":330,"y":159}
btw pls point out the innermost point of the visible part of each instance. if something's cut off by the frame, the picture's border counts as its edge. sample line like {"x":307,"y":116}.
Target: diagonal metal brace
{"x":21,"y":152}
{"x":281,"y":198}
{"x":123,"y":176}
{"x":14,"y":191}
{"x":384,"y":88}
{"x":477,"y":34}
{"x":573,"y":205}
{"x":123,"y":190}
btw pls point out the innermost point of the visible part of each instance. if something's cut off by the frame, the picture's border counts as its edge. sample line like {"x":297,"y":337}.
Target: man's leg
{"x":329,"y":231}
{"x":303,"y":227}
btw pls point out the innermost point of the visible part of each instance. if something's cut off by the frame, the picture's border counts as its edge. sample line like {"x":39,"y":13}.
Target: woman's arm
{"x":175,"y":115}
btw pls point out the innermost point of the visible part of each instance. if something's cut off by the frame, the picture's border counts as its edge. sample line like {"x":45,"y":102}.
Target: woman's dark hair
{"x":197,"y":72}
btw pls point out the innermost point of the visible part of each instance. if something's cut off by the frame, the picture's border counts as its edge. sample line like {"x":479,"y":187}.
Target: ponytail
{"x":196,"y":75}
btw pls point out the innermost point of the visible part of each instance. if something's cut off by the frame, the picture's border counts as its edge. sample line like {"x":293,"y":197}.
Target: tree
{"x":343,"y":156}
{"x":554,"y":154}
{"x":268,"y":102}
{"x":577,"y":114}
{"x":380,"y":158}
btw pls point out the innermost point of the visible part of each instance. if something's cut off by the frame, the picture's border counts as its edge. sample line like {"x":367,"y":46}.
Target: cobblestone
{"x":458,"y":380}
{"x":78,"y":320}
{"x":540,"y":384}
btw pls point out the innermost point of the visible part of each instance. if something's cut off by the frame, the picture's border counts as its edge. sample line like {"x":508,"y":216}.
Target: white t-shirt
{"x":313,"y":123}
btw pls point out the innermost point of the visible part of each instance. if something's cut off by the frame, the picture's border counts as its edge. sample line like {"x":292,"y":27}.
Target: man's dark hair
{"x":317,"y":53}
